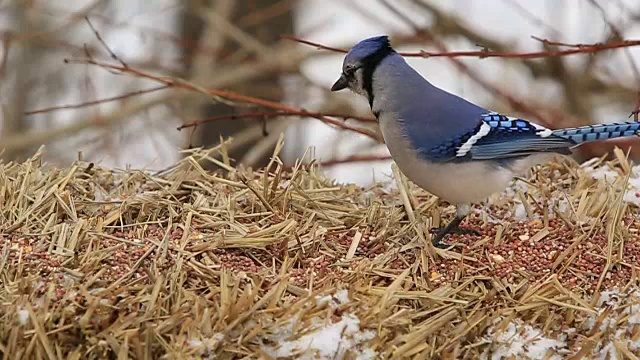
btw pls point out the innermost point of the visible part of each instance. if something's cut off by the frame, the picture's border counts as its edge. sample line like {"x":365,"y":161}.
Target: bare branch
{"x":486,"y":53}
{"x":224,"y":94}
{"x":97,"y":102}
{"x":268,"y":115}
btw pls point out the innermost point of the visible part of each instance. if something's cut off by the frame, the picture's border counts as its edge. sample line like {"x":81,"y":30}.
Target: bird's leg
{"x":453,"y":227}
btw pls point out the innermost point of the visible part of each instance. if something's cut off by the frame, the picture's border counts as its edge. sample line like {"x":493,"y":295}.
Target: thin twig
{"x":223,"y":94}
{"x":97,"y":102}
{"x":577,"y":49}
{"x":104,"y":44}
{"x":268,"y":115}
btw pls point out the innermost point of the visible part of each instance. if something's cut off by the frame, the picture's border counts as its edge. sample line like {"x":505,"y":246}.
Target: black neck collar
{"x":369,"y":65}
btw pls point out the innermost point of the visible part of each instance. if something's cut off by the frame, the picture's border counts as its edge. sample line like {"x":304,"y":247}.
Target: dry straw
{"x":98,"y":263}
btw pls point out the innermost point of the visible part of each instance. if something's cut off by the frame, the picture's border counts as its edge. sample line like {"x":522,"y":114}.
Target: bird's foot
{"x":441,"y":232}
{"x":458,"y":230}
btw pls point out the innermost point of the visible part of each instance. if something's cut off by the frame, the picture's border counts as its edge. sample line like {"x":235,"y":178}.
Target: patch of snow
{"x":634,"y":313}
{"x":23,"y":316}
{"x":632,"y":195}
{"x":328,"y":341}
{"x":608,"y":352}
{"x":341,"y":297}
{"x":619,"y":305}
{"x":608,"y":299}
{"x":563,"y":205}
{"x":285,"y":184}
{"x":520,"y":212}
{"x":515,"y":186}
{"x":99,"y":194}
{"x":206,"y":346}
{"x":522,"y":342}
{"x":603,"y":172}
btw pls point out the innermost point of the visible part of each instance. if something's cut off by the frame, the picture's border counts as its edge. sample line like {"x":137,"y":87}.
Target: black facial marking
{"x":369,"y":64}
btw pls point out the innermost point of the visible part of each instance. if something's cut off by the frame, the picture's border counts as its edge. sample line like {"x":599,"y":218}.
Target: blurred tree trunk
{"x":265,"y":20}
{"x":15,"y":71}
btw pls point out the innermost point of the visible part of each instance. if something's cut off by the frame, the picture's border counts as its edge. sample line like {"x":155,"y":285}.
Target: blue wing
{"x":500,"y":137}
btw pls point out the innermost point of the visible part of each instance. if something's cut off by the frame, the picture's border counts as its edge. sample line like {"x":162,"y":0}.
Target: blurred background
{"x":51,"y":94}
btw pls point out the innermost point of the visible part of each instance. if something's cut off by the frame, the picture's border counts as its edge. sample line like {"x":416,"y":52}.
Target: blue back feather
{"x":428,"y":115}
{"x":506,"y":138}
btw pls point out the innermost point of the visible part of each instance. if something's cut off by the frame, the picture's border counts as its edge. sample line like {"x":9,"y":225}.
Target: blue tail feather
{"x":599,"y":131}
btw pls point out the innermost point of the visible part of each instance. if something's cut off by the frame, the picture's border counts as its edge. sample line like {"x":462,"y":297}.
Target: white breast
{"x":454,"y":183}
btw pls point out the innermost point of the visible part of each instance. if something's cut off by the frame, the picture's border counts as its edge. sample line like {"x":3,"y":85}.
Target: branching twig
{"x":225,"y":94}
{"x":97,"y":102}
{"x":239,"y":73}
{"x":269,"y":115}
{"x":485,"y":53}
{"x":104,"y":44}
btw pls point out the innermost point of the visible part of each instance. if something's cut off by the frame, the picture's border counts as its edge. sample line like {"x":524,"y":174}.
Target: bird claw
{"x":437,"y":242}
{"x":458,"y":230}
{"x":467,"y":232}
{"x":440,"y":234}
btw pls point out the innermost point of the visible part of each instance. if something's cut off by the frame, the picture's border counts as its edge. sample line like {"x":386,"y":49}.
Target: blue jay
{"x":452,"y":148}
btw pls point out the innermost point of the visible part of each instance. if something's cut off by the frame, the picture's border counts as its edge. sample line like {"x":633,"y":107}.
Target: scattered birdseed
{"x":112,"y":263}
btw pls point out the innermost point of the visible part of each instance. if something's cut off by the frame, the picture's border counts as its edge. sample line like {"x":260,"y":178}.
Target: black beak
{"x":340,"y":84}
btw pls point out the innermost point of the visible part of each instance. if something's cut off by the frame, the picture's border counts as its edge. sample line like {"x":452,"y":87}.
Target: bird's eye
{"x":350,"y":70}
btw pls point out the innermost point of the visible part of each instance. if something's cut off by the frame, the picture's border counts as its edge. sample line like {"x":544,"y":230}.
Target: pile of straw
{"x":98,"y":263}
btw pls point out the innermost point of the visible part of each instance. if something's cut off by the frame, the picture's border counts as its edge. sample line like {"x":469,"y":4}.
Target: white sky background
{"x":152,"y":141}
